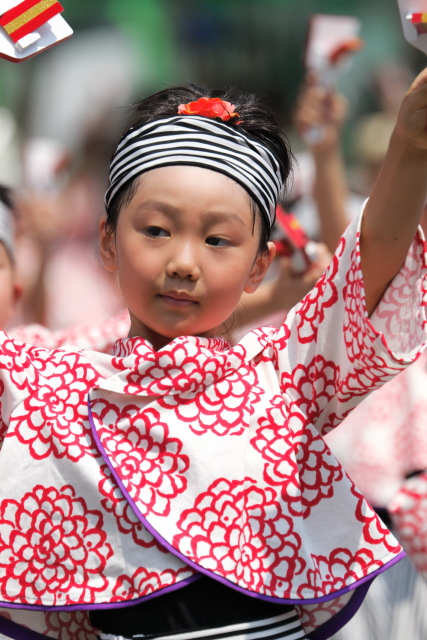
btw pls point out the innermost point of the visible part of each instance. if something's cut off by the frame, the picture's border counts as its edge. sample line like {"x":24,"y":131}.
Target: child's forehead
{"x":188,"y":140}
{"x":186,"y":186}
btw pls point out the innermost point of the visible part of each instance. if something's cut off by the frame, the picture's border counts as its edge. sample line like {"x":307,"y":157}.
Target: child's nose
{"x":184,"y":263}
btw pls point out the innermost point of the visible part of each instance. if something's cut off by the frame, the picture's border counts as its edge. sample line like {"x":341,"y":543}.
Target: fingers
{"x":420,"y":81}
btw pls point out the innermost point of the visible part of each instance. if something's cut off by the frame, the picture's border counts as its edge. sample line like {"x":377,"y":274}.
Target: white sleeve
{"x":330,"y":354}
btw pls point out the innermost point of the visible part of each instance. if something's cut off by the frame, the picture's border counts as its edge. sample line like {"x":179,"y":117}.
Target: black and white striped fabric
{"x":6,"y":228}
{"x":285,"y":626}
{"x":202,"y":142}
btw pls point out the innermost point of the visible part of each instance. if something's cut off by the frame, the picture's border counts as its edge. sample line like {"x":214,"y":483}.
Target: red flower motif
{"x":239,"y":531}
{"x":313,"y":616}
{"x":149,"y":463}
{"x":22,"y":364}
{"x":371,"y":373}
{"x":52,"y":548}
{"x":222,"y":408}
{"x":409,"y":513}
{"x":114,"y":502}
{"x":392,"y":316}
{"x":312,"y":387}
{"x":281,"y":340}
{"x":374,"y":531}
{"x":358,"y":332}
{"x":298,"y":459}
{"x":143,"y":582}
{"x":184,"y":367}
{"x":336,"y":571}
{"x":70,"y":625}
{"x":53,"y":421}
{"x":310,"y":312}
{"x":210,"y":108}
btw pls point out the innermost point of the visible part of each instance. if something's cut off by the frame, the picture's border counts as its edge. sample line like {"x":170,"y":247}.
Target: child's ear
{"x":260,"y":268}
{"x":107,"y":246}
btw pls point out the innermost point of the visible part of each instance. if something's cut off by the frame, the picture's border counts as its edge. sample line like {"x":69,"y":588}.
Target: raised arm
{"x":394,"y":209}
{"x":324,"y":110}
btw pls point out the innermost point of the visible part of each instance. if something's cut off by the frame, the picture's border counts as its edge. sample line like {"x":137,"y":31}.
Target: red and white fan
{"x":413,"y":14}
{"x":331,"y":42}
{"x":29,"y":27}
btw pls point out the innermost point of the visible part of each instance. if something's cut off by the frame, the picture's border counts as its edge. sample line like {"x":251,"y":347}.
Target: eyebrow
{"x":150,"y":205}
{"x":173,"y":212}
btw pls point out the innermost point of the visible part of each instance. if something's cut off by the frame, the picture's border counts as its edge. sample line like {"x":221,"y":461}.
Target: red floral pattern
{"x":53,"y":420}
{"x":312,"y":387}
{"x":298,"y":460}
{"x":409,"y":514}
{"x":223,"y":408}
{"x":239,"y":531}
{"x":184,"y":368}
{"x":311,"y":311}
{"x":150,"y":464}
{"x":143,"y":582}
{"x":18,"y":361}
{"x":114,"y":502}
{"x":50,"y":546}
{"x":340,"y":568}
{"x":394,"y":314}
{"x":374,"y":531}
{"x":70,"y":625}
{"x":313,"y":616}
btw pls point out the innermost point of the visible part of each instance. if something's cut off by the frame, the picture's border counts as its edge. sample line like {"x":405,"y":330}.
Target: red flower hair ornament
{"x":210,"y":108}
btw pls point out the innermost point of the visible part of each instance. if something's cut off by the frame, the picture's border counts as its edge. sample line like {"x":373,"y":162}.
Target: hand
{"x":288,"y":288}
{"x":318,"y":107}
{"x":411,"y":126}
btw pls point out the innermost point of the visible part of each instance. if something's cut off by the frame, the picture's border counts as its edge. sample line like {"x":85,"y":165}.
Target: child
{"x":179,"y":486}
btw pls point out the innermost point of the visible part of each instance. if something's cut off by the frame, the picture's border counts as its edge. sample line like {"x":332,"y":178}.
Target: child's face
{"x":185,"y":249}
{"x":9,"y":290}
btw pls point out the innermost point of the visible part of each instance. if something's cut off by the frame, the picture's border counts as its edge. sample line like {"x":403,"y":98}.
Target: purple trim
{"x":201,"y":569}
{"x":17,"y":631}
{"x":344,"y":616}
{"x":101,"y":605}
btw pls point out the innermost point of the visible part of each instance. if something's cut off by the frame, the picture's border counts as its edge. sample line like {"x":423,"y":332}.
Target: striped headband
{"x":6,"y":229}
{"x":201,"y":142}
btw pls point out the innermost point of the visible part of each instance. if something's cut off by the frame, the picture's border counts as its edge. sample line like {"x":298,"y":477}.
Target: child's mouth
{"x":177,"y":300}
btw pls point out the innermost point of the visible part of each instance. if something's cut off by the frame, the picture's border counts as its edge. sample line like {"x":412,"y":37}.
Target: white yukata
{"x":123,"y":477}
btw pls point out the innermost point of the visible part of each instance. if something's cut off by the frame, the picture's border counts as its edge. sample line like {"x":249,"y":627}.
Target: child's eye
{"x":156,"y":232}
{"x":216,"y":241}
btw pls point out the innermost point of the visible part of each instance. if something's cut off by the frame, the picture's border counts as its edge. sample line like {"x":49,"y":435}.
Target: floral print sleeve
{"x":335,"y":354}
{"x":18,"y":377}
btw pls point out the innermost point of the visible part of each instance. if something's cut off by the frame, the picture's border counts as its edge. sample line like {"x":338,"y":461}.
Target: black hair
{"x":6,"y":197}
{"x":254,"y":120}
